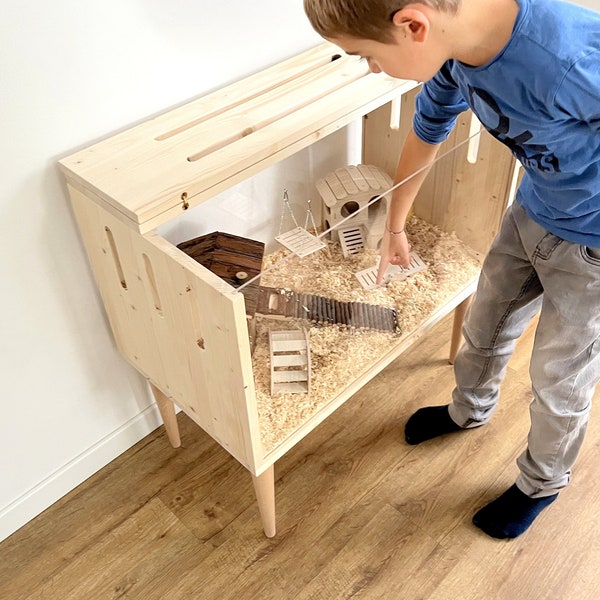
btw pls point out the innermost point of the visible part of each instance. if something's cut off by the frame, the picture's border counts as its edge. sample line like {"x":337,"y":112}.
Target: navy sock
{"x":427,"y":423}
{"x":510,"y":514}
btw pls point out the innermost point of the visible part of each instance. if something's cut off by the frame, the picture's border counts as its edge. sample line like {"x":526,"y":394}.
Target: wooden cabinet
{"x":177,"y":323}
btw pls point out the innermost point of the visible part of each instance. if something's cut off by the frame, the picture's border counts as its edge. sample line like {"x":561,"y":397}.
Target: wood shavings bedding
{"x":340,"y":354}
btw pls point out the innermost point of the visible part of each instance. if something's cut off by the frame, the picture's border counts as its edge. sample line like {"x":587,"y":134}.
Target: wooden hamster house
{"x":351,"y":193}
{"x":183,"y":327}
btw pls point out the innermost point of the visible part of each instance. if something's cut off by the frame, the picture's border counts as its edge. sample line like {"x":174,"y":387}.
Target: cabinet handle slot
{"x":152,"y":282}
{"x":252,"y":95}
{"x":116,"y":259}
{"x":474,"y":137}
{"x":273,"y":117}
{"x":395,"y":112}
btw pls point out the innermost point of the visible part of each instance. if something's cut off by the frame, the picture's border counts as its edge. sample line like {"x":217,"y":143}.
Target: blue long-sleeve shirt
{"x":541,"y":97}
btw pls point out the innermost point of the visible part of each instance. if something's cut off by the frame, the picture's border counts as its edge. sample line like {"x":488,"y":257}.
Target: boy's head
{"x":363,"y":19}
{"x":404,"y":39}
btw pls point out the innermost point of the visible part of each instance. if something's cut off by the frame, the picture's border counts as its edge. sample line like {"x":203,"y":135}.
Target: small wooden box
{"x":234,"y":259}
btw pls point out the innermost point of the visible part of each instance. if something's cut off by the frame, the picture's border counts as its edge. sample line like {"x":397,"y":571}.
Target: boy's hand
{"x":394,"y":250}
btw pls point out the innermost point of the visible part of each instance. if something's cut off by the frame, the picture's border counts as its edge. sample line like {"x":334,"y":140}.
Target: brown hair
{"x":366,"y":19}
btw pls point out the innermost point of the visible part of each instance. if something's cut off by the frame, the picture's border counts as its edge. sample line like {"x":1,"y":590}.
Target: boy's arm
{"x":436,"y":108}
{"x":416,"y":155}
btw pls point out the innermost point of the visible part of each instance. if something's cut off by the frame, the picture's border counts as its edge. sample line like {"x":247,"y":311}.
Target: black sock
{"x":427,"y":423}
{"x":511,"y":514}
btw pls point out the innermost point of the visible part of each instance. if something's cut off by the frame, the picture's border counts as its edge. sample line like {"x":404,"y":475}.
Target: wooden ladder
{"x":290,"y":361}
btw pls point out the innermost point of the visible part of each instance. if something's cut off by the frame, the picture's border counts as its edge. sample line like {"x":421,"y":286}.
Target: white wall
{"x":72,"y":72}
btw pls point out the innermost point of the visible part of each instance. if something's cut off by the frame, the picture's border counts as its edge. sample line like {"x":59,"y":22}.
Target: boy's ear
{"x":414,"y":21}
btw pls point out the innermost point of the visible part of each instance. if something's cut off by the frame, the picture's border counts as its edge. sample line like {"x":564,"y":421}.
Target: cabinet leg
{"x":459,"y":316}
{"x":169,"y":417}
{"x":264,"y":487}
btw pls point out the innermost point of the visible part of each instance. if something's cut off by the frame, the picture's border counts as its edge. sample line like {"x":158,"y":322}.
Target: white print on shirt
{"x":535,"y":156}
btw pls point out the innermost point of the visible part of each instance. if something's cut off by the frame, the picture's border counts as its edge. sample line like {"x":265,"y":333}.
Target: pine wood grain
{"x":360,"y":513}
{"x":153,"y":172}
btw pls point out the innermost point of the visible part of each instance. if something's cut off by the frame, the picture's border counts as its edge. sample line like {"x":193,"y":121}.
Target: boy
{"x":530,"y":70}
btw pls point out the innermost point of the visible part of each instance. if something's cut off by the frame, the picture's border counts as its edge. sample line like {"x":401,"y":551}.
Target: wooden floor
{"x":360,"y":513}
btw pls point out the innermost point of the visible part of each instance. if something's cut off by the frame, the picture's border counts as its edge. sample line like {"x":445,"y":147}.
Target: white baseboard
{"x":69,"y":476}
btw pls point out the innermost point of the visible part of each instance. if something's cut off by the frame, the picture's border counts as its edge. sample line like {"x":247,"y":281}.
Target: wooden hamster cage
{"x":183,"y":327}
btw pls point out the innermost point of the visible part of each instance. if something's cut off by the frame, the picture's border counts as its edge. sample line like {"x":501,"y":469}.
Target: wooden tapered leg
{"x":169,"y":417}
{"x":459,"y":316}
{"x":264,"y":487}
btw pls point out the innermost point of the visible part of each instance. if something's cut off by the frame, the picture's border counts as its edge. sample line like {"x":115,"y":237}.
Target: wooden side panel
{"x":468,"y":199}
{"x":179,"y":324}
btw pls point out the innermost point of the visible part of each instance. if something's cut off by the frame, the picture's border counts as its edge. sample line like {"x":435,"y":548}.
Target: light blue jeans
{"x":528,"y":269}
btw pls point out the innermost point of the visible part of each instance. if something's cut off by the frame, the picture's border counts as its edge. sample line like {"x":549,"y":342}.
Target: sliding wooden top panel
{"x":151,"y":173}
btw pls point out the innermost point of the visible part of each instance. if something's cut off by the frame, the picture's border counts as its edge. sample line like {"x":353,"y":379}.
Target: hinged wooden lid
{"x":151,"y":173}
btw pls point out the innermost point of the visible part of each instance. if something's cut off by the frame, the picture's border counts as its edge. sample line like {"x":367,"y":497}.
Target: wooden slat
{"x":336,"y":186}
{"x":347,"y":181}
{"x":358,"y":179}
{"x":371,"y":176}
{"x":290,"y":387}
{"x":294,"y":360}
{"x":288,"y":376}
{"x":326,"y":192}
{"x":288,"y":345}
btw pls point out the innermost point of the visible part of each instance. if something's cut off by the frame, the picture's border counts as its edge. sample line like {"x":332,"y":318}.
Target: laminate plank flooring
{"x":360,"y":514}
